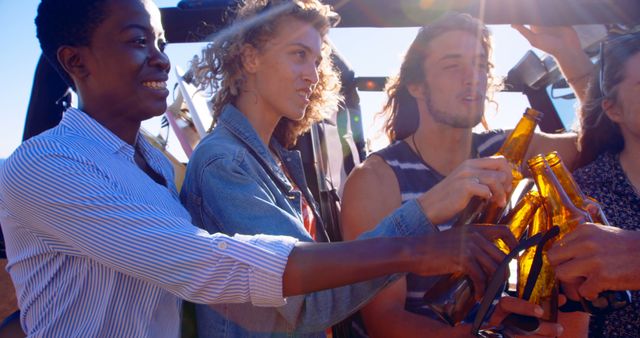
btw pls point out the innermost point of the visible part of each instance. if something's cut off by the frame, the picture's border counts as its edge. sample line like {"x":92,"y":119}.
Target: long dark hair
{"x":598,"y":134}
{"x":401,"y":110}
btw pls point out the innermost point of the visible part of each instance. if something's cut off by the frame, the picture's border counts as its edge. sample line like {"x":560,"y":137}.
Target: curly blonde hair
{"x":219,"y":69}
{"x":400,"y":112}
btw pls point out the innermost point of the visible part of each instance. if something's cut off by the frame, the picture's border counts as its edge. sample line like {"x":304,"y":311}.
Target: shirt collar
{"x":85,"y":126}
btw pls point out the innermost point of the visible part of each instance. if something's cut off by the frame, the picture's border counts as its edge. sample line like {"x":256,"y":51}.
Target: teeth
{"x":302,"y":93}
{"x":155,"y":84}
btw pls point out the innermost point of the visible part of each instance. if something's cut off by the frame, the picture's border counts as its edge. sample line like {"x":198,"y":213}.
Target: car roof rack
{"x":194,"y":20}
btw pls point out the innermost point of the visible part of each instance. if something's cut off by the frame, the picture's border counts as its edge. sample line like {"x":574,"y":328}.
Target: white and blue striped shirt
{"x":96,"y":248}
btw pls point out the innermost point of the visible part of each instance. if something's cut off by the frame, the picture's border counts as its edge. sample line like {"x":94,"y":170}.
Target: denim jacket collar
{"x":236,"y":123}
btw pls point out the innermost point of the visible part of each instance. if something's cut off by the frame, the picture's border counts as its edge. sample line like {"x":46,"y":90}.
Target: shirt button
{"x":222,"y":245}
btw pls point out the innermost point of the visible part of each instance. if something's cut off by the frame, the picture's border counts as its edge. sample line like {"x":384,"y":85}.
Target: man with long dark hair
{"x":437,"y":98}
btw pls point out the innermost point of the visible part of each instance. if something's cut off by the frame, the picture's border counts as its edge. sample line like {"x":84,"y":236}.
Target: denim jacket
{"x":233,"y":185}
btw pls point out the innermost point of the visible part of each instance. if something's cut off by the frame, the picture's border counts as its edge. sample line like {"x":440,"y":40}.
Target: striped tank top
{"x":415,"y":177}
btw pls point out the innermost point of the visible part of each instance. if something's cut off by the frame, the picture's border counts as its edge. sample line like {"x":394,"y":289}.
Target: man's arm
{"x":370,"y":194}
{"x":564,"y":45}
{"x":564,"y":143}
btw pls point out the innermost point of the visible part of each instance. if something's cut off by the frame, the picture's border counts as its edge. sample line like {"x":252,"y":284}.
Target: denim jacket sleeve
{"x":230,"y":198}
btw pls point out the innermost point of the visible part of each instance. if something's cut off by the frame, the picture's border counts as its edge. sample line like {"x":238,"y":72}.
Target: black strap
{"x":536,"y":265}
{"x":497,"y":282}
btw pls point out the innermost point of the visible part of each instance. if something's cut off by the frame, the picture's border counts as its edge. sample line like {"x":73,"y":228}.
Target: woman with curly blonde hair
{"x":221,"y":70}
{"x":271,"y":77}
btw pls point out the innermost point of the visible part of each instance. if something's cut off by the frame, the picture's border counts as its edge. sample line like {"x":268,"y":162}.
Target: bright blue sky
{"x":371,"y":52}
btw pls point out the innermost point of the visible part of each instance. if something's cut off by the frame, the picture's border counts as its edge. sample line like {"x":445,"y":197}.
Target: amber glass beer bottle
{"x":559,"y":210}
{"x":606,"y":300}
{"x":539,"y":223}
{"x":452,"y":297}
{"x":563,"y":213}
{"x":513,"y":149}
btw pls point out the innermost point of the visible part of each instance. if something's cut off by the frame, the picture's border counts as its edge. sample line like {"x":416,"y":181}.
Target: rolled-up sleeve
{"x":75,"y":208}
{"x":265,"y":279}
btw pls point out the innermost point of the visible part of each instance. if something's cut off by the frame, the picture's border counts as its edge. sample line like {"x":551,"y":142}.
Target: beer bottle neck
{"x":572,"y":189}
{"x":561,"y":208}
{"x":522,"y":214}
{"x":515,"y":146}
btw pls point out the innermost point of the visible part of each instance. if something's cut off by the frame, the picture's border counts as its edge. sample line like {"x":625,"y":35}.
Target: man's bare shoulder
{"x":375,"y":173}
{"x":370,"y":194}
